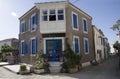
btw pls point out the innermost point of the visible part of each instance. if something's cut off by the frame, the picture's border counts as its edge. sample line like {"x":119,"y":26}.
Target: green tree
{"x":116,"y":27}
{"x":115,"y":45}
{"x":6,"y":49}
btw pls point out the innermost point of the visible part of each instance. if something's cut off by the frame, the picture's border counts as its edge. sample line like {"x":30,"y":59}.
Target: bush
{"x":39,"y":65}
{"x":23,"y":67}
{"x":46,"y":67}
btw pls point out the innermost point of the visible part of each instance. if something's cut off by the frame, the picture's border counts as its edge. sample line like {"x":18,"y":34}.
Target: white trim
{"x":77,"y":21}
{"x":21,"y":47}
{"x":74,"y":42}
{"x":84,"y":45}
{"x":62,"y":38}
{"x":86,"y":24}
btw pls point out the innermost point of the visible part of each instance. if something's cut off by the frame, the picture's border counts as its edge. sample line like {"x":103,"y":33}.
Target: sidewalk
{"x":3,"y":63}
{"x":15,"y":68}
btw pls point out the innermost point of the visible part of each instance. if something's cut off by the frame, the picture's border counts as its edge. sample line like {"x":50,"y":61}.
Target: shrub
{"x":46,"y":67}
{"x":39,"y":65}
{"x":23,"y":67}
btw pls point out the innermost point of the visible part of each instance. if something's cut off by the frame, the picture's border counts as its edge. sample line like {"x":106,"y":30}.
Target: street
{"x":106,"y":70}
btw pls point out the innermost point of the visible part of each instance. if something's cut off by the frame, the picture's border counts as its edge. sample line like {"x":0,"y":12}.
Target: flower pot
{"x":24,"y":72}
{"x":39,"y":71}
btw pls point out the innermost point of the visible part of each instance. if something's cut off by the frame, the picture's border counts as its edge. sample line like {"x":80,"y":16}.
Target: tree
{"x":6,"y":49}
{"x":116,"y":27}
{"x":115,"y":45}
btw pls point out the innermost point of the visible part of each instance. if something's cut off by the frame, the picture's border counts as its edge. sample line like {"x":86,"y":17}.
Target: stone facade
{"x":67,"y":31}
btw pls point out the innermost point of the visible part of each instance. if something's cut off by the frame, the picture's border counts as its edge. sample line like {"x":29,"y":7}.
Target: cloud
{"x":14,"y":14}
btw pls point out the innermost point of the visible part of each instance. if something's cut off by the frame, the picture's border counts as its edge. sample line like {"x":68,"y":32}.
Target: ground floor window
{"x":76,"y":44}
{"x":86,"y":45}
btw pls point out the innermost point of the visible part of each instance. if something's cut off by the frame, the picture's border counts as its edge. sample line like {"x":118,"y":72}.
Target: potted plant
{"x":73,"y":60}
{"x":23,"y":70}
{"x":41,"y":66}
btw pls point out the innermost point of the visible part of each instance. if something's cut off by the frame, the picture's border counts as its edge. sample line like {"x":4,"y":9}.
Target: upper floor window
{"x":22,"y":27}
{"x":52,"y":15}
{"x":86,"y":46}
{"x":45,"y":15}
{"x":34,"y":21}
{"x":76,"y":44}
{"x":22,"y":47}
{"x":75,"y":21}
{"x":85,"y":25}
{"x":61,"y":14}
{"x":34,"y":46}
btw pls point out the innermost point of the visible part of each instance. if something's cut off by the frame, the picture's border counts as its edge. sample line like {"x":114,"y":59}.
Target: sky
{"x":104,"y":14}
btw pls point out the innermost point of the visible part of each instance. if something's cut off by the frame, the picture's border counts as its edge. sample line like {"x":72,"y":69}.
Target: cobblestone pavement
{"x":107,"y":70}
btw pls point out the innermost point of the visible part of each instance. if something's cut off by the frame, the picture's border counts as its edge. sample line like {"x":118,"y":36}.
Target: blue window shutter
{"x":86,"y":46}
{"x":23,"y":48}
{"x":85,"y":25}
{"x":34,"y":46}
{"x":76,"y":45}
{"x":75,"y":24}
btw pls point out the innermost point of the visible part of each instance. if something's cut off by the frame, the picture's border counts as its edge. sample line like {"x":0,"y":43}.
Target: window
{"x":34,"y":21}
{"x":60,"y":14}
{"x":76,"y":44}
{"x":86,"y":46}
{"x":52,"y":15}
{"x":22,"y":27}
{"x":34,"y":46}
{"x":75,"y":21}
{"x":85,"y":25}
{"x":22,"y":47}
{"x":45,"y":15}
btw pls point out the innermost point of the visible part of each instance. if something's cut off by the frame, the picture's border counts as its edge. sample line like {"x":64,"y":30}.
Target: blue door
{"x":53,"y":49}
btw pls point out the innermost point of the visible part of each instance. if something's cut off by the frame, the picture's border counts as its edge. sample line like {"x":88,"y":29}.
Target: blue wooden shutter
{"x":23,"y":48}
{"x":75,"y":25}
{"x":35,"y":45}
{"x":86,"y":46}
{"x":76,"y":45}
{"x":85,"y":25}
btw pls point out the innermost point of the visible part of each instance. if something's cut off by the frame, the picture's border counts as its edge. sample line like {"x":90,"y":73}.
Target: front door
{"x":53,"y":49}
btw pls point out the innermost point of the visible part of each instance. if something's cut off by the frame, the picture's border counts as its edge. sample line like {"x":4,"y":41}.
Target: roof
{"x":9,"y":39}
{"x":34,"y":7}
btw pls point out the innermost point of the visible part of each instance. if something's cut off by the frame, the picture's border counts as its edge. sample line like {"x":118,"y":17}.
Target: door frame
{"x":54,"y":38}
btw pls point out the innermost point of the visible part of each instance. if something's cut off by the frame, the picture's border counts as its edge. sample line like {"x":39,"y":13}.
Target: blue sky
{"x":104,"y":13}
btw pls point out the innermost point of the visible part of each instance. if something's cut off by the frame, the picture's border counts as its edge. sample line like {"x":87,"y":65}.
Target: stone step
{"x":55,"y":67}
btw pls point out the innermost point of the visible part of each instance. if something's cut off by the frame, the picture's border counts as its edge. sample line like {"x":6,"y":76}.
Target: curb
{"x":10,"y":70}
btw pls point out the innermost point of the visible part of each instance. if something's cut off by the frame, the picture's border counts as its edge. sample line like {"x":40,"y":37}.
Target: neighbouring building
{"x":102,"y":48}
{"x":97,"y":42}
{"x":112,"y":50}
{"x":13,"y":42}
{"x":45,"y":27}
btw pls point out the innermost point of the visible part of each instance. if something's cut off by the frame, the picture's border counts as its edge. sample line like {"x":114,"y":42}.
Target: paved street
{"x":106,"y":70}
